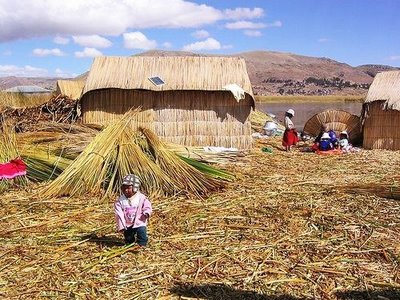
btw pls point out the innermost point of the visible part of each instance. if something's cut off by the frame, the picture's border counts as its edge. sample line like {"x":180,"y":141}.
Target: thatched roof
{"x":70,"y":88}
{"x":385,"y":87}
{"x":178,"y":73}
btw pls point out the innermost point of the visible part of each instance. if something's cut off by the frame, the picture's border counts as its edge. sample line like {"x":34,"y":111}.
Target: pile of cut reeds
{"x":119,"y":150}
{"x":58,"y":109}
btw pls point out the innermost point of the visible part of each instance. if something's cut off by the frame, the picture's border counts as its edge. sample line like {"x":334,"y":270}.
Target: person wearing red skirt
{"x":290,"y":136}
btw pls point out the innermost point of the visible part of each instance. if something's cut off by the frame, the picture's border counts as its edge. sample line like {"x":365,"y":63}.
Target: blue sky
{"x":60,"y":38}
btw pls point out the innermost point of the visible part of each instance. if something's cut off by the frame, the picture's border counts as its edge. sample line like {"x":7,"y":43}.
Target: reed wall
{"x":70,"y":88}
{"x":381,"y":127}
{"x":192,"y":118}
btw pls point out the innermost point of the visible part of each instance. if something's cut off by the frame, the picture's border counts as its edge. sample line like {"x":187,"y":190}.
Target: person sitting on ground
{"x":344,"y":143}
{"x":325,"y":143}
{"x":290,"y":136}
{"x":332,"y":136}
{"x":132,"y":211}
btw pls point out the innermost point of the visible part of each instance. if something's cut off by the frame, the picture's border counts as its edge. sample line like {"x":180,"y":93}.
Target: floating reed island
{"x":286,"y":227}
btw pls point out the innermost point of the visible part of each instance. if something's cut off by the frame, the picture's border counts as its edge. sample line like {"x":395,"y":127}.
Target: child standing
{"x":132,"y":211}
{"x":290,"y":137}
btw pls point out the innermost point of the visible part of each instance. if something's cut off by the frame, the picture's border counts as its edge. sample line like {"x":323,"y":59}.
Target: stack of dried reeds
{"x":58,"y":109}
{"x":119,"y":150}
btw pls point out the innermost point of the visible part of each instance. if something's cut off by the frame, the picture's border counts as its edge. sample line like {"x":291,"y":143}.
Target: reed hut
{"x":28,"y":90}
{"x":70,"y":88}
{"x":193,"y":101}
{"x":381,"y":112}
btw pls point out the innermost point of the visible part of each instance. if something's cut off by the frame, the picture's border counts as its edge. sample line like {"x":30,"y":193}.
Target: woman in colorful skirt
{"x":290,"y":136}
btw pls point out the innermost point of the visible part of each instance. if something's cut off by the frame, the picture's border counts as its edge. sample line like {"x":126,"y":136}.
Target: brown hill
{"x":44,"y":82}
{"x":272,"y":73}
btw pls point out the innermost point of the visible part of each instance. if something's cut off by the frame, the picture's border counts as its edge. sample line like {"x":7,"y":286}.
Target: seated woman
{"x":332,"y":137}
{"x":325,"y":143}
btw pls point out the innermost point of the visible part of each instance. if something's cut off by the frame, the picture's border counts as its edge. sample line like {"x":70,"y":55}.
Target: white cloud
{"x":92,"y":41}
{"x":251,"y":25}
{"x":25,"y":71}
{"x":208,"y":44}
{"x":323,"y":40}
{"x":61,"y":40}
{"x":394,"y":57}
{"x":7,"y":52}
{"x":243,"y":13}
{"x":167,"y":45}
{"x":60,"y":73}
{"x":41,"y":18}
{"x":47,"y":52}
{"x":88,"y":52}
{"x":245,"y":25}
{"x":201,"y":34}
{"x":137,"y":40}
{"x":253,"y":33}
{"x":275,"y":24}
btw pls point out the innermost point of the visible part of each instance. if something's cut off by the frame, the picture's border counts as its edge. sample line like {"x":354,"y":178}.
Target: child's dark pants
{"x":139,"y":234}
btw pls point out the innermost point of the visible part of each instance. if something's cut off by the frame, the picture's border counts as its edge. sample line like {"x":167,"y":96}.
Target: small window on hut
{"x":156,"y":80}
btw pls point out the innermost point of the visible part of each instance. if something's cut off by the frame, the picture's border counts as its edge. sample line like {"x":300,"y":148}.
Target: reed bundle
{"x":119,"y":150}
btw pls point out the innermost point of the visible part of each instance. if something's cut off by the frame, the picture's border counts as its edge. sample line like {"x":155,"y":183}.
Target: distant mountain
{"x":12,"y":81}
{"x":271,"y":73}
{"x":372,"y":70}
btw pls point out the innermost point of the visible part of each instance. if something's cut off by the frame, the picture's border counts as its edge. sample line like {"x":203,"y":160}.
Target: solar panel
{"x":156,"y":80}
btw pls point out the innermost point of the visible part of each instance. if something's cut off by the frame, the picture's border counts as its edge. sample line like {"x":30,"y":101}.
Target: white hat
{"x":325,"y":136}
{"x":290,"y":111}
{"x":344,"y":132}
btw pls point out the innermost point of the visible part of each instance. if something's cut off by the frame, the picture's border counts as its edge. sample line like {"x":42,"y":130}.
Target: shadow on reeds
{"x":223,"y":292}
{"x":104,"y":240}
{"x":386,"y":294}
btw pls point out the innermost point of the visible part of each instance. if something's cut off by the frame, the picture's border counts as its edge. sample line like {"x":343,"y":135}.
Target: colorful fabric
{"x":290,"y":137}
{"x":325,"y":145}
{"x":12,"y":169}
{"x":330,"y":152}
{"x":123,"y":208}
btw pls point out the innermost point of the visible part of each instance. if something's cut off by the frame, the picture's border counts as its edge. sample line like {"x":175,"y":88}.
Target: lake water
{"x":305,"y":110}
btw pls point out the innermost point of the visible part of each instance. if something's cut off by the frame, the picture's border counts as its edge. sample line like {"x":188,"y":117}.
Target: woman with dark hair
{"x":290,"y":136}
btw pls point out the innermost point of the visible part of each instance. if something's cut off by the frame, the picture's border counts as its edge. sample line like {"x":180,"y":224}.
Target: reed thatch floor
{"x":285,"y":229}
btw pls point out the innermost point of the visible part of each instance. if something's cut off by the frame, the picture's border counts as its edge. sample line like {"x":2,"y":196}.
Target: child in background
{"x":344,"y":142}
{"x":290,"y":137}
{"x":132,"y":211}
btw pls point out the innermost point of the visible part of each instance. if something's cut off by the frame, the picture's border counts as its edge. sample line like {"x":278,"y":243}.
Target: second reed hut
{"x":70,"y":88}
{"x":194,"y":101}
{"x":381,"y":112}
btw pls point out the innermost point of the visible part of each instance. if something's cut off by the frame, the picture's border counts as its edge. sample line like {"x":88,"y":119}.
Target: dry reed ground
{"x":278,"y":232}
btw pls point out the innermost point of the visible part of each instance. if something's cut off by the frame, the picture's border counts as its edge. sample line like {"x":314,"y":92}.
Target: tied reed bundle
{"x":119,"y":150}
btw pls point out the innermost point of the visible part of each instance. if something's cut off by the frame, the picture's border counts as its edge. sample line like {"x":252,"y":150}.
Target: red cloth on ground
{"x":333,"y":151}
{"x":290,"y":137}
{"x":14,"y":168}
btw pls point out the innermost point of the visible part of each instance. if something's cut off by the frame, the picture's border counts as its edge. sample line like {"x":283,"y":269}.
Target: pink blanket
{"x":14,"y":168}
